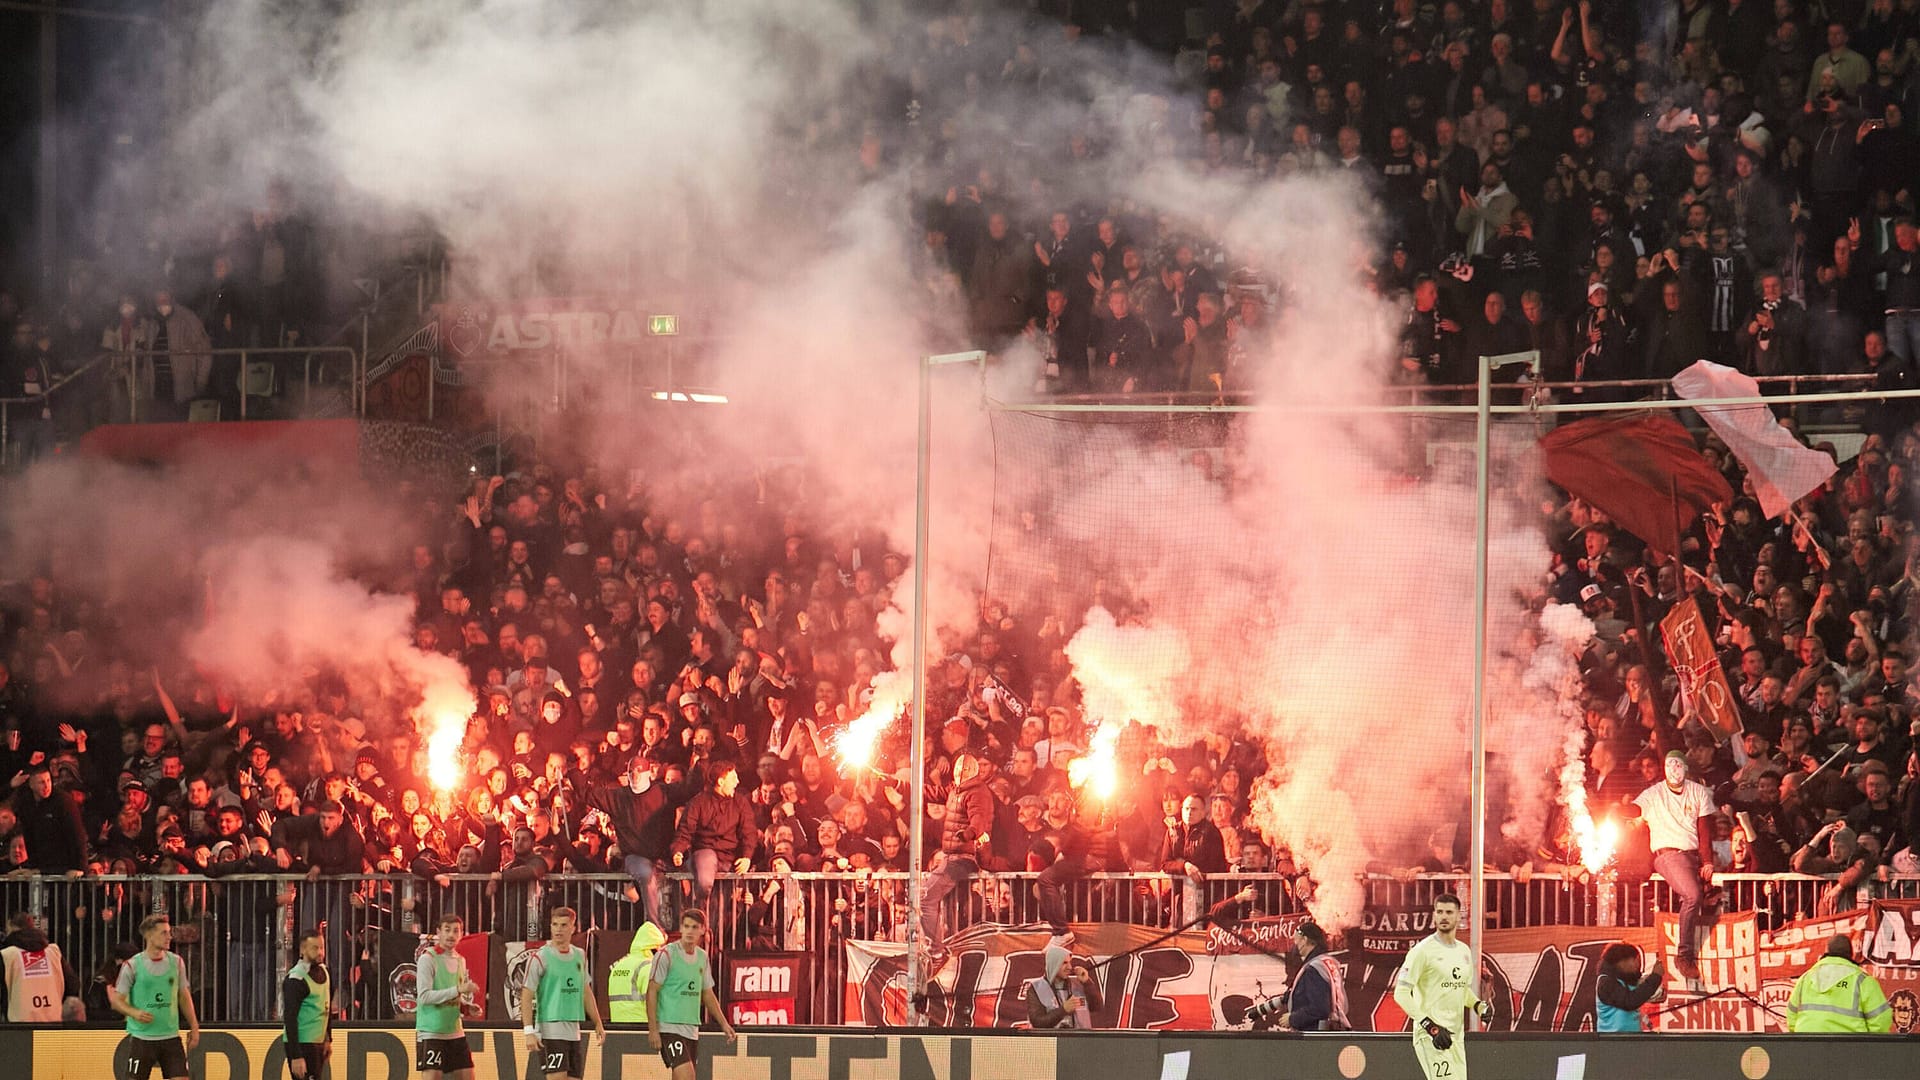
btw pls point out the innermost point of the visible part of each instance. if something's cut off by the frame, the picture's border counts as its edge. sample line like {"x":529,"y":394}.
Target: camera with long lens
{"x":1267,"y":1015}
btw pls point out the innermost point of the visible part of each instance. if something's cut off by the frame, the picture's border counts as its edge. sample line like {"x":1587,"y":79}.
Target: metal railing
{"x":136,"y":367}
{"x":237,"y":934}
{"x":41,"y":400}
{"x":1661,"y":389}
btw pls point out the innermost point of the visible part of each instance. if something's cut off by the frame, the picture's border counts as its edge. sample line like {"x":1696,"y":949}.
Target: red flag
{"x":1642,"y":471}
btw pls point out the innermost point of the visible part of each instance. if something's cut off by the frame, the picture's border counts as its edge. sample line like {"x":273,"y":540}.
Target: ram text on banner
{"x":766,"y":989}
{"x":1703,"y":682}
{"x":1782,"y":468}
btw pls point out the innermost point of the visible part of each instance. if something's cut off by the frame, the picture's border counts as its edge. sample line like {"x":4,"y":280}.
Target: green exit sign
{"x":663,"y":325}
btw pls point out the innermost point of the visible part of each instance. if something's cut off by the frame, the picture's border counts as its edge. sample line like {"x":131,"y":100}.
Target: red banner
{"x":767,"y":989}
{"x":1748,"y":971}
{"x":401,"y":950}
{"x":1703,"y":681}
{"x":1538,"y":979}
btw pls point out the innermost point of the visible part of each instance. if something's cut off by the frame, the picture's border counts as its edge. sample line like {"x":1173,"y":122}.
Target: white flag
{"x":1782,"y":469}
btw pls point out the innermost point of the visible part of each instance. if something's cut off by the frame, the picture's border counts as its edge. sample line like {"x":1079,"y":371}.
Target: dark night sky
{"x":104,"y":92}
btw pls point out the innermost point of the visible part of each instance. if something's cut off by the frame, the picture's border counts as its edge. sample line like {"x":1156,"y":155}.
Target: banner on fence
{"x":1538,"y":979}
{"x":1747,"y":969}
{"x":485,"y":964}
{"x":765,"y":989}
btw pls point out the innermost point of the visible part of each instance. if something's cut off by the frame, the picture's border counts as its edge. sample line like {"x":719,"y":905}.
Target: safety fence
{"x":250,"y":378}
{"x":28,"y":425}
{"x":237,"y":934}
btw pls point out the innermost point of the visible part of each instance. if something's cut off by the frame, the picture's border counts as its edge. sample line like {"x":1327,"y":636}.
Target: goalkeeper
{"x":1435,"y":989}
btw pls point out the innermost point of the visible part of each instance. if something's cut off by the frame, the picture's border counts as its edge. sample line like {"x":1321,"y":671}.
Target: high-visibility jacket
{"x":1836,"y":996}
{"x":628,"y":978}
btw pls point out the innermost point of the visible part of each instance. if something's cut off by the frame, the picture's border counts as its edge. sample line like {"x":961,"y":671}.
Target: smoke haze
{"x":758,"y":156}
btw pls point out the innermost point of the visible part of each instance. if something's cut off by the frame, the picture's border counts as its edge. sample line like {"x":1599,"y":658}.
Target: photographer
{"x":1319,"y":994}
{"x":1063,"y":999}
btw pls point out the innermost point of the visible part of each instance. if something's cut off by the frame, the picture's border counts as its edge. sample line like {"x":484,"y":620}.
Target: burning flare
{"x":443,"y":716}
{"x":1595,"y":839}
{"x":1097,"y":771}
{"x":891,"y":694}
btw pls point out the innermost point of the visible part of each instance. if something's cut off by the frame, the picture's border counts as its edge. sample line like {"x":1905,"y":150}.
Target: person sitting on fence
{"x":717,"y":827}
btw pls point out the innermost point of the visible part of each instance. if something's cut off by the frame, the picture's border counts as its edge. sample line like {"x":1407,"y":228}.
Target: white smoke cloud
{"x":1319,"y":596}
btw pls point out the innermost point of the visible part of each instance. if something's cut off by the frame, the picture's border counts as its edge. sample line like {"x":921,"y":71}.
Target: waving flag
{"x":1782,"y":469}
{"x":1642,"y":470}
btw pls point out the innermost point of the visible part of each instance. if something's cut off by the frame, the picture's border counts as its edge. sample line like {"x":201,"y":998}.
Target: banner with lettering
{"x":1538,"y":979}
{"x":766,"y":989}
{"x":1749,"y":961}
{"x":582,"y":325}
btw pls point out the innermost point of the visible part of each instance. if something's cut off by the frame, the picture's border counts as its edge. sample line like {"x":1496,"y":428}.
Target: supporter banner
{"x":1539,"y":980}
{"x":531,"y":326}
{"x":1159,"y":982}
{"x":1545,"y":978}
{"x":1702,"y":680}
{"x":765,"y":989}
{"x":1748,"y":971}
{"x":486,"y":961}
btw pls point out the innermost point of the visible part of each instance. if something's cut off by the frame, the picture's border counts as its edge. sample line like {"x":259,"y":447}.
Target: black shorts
{"x":678,"y":1050}
{"x":314,"y":1054}
{"x":560,"y":1057}
{"x":443,"y":1055}
{"x":138,"y":1057}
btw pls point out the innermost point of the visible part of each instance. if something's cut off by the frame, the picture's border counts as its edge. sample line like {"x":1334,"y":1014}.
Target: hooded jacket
{"x":1618,"y":1000}
{"x":627,"y":979}
{"x":1046,"y":997}
{"x":970,"y":813}
{"x":1836,"y":996}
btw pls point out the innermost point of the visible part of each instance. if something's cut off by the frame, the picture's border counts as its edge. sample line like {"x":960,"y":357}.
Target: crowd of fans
{"x":1626,"y":190}
{"x":252,"y":280}
{"x":663,"y":667}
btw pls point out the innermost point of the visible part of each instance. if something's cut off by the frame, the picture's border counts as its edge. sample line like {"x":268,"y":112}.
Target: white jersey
{"x":1673,"y":817}
{"x":1436,"y":981}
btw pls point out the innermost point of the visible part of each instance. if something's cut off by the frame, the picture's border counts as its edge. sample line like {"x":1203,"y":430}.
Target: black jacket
{"x":345,"y":852}
{"x":1200,"y":845}
{"x":643,"y":823}
{"x":56,"y":839}
{"x":719,"y":823}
